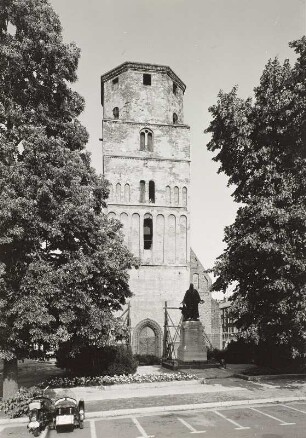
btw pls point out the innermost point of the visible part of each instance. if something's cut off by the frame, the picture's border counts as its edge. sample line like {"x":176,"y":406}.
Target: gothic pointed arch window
{"x":146,"y":140}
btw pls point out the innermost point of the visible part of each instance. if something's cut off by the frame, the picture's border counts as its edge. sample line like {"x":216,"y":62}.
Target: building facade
{"x":229,"y":329}
{"x":146,"y":159}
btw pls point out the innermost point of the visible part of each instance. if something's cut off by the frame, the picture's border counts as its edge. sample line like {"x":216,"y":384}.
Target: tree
{"x":63,"y":266}
{"x":260,"y":145}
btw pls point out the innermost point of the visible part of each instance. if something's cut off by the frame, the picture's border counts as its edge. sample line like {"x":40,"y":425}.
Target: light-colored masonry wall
{"x":164,"y":274}
{"x":208,"y":314}
{"x":153,"y":103}
{"x":123,"y":138}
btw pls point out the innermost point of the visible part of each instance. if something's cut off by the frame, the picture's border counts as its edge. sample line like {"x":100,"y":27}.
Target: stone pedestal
{"x":192,"y":350}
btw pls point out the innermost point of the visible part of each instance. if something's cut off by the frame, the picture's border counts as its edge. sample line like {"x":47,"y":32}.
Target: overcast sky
{"x":210,"y":45}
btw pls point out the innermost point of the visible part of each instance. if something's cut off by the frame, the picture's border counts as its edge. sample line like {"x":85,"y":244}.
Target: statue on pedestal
{"x":190,"y":309}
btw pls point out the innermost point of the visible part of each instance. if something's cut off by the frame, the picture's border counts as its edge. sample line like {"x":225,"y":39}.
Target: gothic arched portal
{"x":148,"y":338}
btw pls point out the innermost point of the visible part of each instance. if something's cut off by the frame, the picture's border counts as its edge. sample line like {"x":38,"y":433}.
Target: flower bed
{"x":71,"y":382}
{"x":17,"y":406}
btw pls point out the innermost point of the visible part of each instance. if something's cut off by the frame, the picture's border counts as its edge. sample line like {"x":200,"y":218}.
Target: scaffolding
{"x":126,"y":320}
{"x":172,"y":334}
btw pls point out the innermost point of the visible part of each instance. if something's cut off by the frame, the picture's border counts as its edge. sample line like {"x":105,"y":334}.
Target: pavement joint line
{"x":166,"y":409}
{"x":239,"y":427}
{"x":282,"y":423}
{"x":93,"y":433}
{"x":294,"y":409}
{"x":192,"y":429}
{"x":141,"y":429}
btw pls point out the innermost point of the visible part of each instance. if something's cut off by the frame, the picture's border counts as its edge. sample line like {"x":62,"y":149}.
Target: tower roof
{"x":143,"y":67}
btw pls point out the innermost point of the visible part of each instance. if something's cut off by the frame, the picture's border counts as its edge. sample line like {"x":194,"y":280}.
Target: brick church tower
{"x":146,"y":159}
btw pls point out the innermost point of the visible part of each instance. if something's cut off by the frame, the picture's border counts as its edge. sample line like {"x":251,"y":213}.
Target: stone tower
{"x":146,"y":159}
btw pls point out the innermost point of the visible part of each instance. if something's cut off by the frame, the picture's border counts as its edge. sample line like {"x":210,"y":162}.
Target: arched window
{"x":118,"y":192}
{"x":184,"y":196}
{"x":142,"y":141}
{"x":168,"y":195}
{"x":116,"y":112}
{"x":176,"y":195}
{"x":146,"y":140}
{"x":142,"y":186}
{"x":127,"y":193}
{"x":150,"y":141}
{"x":175,"y":118}
{"x":147,"y":231}
{"x":152,"y":192}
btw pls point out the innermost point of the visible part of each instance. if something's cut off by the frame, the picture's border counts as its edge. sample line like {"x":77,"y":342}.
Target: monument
{"x":192,"y":351}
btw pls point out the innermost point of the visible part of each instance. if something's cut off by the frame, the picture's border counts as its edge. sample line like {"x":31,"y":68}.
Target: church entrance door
{"x":147,"y":341}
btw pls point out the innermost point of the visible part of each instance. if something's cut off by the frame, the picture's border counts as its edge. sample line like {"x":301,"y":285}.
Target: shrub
{"x":279,"y":357}
{"x":17,"y":406}
{"x":147,"y":359}
{"x":93,"y":361}
{"x":215,"y":354}
{"x":240,"y":351}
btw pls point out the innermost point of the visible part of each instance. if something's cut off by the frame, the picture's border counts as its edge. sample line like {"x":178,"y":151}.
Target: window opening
{"x":150,"y":141}
{"x":175,"y":118}
{"x":146,"y":79}
{"x":168,"y":195}
{"x":174,"y":88}
{"x":127,"y":193}
{"x":152,"y":192}
{"x":142,"y":197}
{"x":116,"y":112}
{"x":118,"y":192}
{"x":115,"y":81}
{"x":176,"y":195}
{"x":147,"y":233}
{"x":184,"y":196}
{"x":142,"y":141}
{"x":146,"y":140}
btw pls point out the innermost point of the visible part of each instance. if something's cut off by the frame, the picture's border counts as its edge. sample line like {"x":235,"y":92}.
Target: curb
{"x":167,"y":409}
{"x":270,"y":377}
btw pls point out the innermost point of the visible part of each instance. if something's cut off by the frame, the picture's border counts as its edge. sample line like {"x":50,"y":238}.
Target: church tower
{"x":146,"y":159}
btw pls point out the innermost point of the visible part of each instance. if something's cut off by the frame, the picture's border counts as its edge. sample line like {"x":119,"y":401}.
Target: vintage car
{"x":68,"y":413}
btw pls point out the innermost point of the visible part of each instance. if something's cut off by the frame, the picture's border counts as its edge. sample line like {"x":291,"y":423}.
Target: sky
{"x":210,"y":45}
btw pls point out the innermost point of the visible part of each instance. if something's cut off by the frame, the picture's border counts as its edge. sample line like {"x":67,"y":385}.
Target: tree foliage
{"x":260,"y":145}
{"x":63,"y":266}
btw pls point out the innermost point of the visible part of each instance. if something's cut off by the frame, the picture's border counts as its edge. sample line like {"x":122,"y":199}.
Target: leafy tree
{"x":260,"y":145}
{"x":63,"y":267}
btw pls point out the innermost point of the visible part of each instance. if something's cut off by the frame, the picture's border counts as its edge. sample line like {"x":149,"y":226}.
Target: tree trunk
{"x":10,"y":378}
